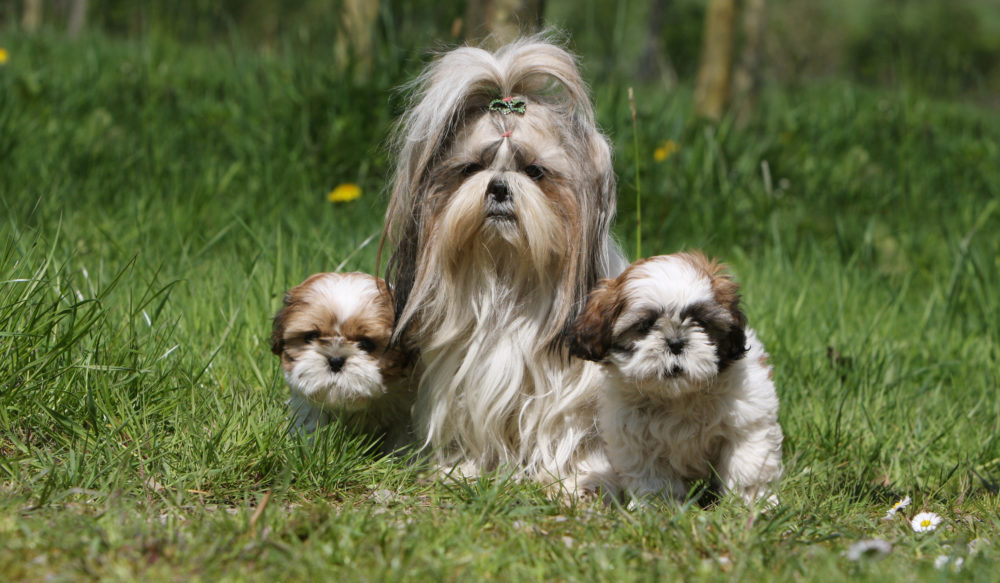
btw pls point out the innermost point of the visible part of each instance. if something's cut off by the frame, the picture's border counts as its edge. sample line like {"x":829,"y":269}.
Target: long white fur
{"x":488,"y":301}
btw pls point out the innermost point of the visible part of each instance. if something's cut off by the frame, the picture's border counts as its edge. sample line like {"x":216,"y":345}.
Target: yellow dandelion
{"x":666,"y":150}
{"x":4,"y":56}
{"x":344,"y":193}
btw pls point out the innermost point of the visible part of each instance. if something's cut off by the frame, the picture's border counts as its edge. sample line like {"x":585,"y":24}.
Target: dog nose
{"x":498,"y":191}
{"x":336,"y":363}
{"x":676,"y":346}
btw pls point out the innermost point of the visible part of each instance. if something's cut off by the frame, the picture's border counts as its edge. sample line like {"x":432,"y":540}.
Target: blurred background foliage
{"x":174,"y":85}
{"x":943,"y":47}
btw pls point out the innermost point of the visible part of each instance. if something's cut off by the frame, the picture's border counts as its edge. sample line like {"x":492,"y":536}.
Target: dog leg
{"x":750,"y":467}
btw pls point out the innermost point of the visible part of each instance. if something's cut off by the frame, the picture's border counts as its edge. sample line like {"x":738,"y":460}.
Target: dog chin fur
{"x":333,"y":337}
{"x":499,"y":225}
{"x":689,"y":393}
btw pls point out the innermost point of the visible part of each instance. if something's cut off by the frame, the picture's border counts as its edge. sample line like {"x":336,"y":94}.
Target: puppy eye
{"x":470,"y":169}
{"x":534,"y":172}
{"x":366,"y":344}
{"x":642,"y":328}
{"x":311,"y":336}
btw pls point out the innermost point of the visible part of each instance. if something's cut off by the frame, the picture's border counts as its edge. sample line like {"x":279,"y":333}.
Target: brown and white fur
{"x":333,"y":336}
{"x":499,"y":226}
{"x":689,"y":392}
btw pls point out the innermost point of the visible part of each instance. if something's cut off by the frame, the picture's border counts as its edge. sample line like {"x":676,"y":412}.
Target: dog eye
{"x":470,"y":169}
{"x":366,"y":344}
{"x":311,"y":336}
{"x":534,"y":172}
{"x":698,"y":315}
{"x":643,"y":327}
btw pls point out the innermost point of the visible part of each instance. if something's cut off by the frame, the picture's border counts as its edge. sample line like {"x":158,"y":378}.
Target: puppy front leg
{"x":305,"y":417}
{"x":653,"y":481}
{"x":589,"y":475}
{"x":750,"y":467}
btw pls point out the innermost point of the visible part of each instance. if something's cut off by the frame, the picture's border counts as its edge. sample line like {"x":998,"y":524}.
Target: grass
{"x":158,"y":199}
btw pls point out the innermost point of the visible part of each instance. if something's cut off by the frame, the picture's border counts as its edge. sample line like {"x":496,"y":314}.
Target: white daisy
{"x":896,"y":508}
{"x":925,"y":522}
{"x":977,"y":544}
{"x":875,"y":548}
{"x":943,"y":561}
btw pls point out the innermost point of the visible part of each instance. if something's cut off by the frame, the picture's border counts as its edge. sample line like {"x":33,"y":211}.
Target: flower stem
{"x":638,"y":181}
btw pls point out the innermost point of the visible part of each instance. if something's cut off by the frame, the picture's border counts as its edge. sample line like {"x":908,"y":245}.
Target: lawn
{"x":156,"y":200}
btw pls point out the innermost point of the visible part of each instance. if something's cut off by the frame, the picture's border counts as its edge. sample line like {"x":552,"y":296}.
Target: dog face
{"x":668,"y":324}
{"x":499,"y":204}
{"x":506,"y":185}
{"x":333,"y":339}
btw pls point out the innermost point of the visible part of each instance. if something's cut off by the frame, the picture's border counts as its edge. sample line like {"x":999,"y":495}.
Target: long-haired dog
{"x":499,"y":221}
{"x":333,"y":336}
{"x":689,"y":392}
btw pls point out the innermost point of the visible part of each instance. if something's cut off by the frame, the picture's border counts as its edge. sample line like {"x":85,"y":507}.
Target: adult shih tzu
{"x":333,"y":338}
{"x":502,"y":200}
{"x":689,"y":391}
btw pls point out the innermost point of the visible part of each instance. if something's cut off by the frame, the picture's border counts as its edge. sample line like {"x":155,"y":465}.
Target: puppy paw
{"x":305,"y":417}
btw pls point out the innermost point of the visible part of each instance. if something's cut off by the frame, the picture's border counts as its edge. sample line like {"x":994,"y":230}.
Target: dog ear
{"x":732,"y":345}
{"x":278,"y":330}
{"x":292,"y":297}
{"x":590,"y":337}
{"x":401,"y":234}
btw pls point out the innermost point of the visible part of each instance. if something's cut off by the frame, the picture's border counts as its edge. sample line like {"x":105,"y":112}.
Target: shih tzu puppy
{"x":689,"y":392}
{"x":333,"y":339}
{"x":498,"y":224}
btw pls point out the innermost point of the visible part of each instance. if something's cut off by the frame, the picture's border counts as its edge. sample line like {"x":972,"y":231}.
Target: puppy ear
{"x":278,"y":330}
{"x":732,"y":345}
{"x":292,"y":297}
{"x":590,"y":337}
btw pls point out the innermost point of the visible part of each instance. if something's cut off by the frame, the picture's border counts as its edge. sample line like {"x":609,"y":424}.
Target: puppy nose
{"x":336,"y":363}
{"x":676,"y":346}
{"x":498,"y":191}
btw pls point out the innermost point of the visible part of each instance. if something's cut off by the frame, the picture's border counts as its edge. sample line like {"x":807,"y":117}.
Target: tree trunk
{"x":32,"y":17}
{"x":354,"y":43}
{"x":652,"y":62}
{"x":501,"y":21}
{"x":712,"y":85}
{"x":77,"y":17}
{"x":746,"y":79}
